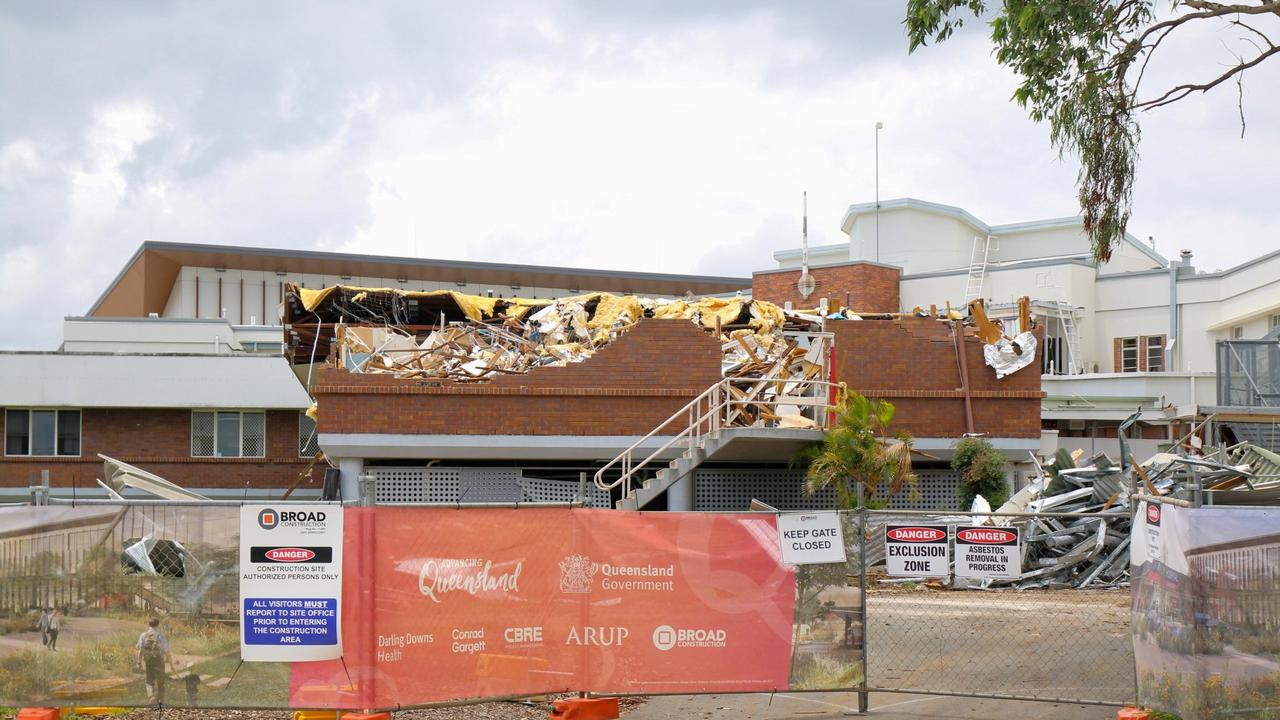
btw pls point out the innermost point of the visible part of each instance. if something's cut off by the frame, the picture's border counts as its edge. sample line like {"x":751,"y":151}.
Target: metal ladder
{"x":977,"y":268}
{"x":1067,"y":313}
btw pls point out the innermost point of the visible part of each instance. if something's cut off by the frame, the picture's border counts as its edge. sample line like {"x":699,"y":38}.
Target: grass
{"x":1257,"y":644}
{"x":1214,"y":698}
{"x":33,"y":675}
{"x":819,"y":672}
{"x":255,"y":685}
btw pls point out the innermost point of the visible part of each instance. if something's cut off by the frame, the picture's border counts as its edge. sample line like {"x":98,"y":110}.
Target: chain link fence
{"x":958,"y":636}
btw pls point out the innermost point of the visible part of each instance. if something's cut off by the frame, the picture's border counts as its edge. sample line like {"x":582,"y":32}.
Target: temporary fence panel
{"x":1206,"y":610}
{"x":107,"y":570}
{"x":491,"y":602}
{"x":986,"y":638}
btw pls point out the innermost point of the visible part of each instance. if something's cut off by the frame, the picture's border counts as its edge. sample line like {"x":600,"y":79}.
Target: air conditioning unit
{"x":1075,"y":424}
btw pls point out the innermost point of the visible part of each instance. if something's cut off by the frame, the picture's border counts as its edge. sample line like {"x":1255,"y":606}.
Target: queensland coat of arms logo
{"x":576,"y":573}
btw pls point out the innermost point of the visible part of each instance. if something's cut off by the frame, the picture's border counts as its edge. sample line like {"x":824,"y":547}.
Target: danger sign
{"x":916,"y":550}
{"x":988,"y":552}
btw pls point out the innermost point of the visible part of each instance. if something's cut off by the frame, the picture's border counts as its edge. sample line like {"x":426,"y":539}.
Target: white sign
{"x":290,"y":582}
{"x":917,"y":550}
{"x":1150,"y":514}
{"x":988,"y":552}
{"x":811,"y":538}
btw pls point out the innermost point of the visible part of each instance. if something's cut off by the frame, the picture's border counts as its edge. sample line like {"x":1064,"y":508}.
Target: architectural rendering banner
{"x":436,"y":605}
{"x":1206,"y":610}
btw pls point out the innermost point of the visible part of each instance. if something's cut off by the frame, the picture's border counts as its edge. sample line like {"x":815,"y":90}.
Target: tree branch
{"x":1177,"y":93}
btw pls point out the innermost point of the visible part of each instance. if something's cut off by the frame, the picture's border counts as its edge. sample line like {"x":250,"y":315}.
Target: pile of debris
{"x":521,"y":335}
{"x":1093,"y":551}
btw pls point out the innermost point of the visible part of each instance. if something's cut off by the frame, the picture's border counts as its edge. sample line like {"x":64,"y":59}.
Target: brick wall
{"x":627,"y":388}
{"x":912,"y":363}
{"x":159,"y":441}
{"x":861,"y":286}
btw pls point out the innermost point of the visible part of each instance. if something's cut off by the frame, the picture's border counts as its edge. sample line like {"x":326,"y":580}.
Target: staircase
{"x":978,"y":257}
{"x":709,"y":420}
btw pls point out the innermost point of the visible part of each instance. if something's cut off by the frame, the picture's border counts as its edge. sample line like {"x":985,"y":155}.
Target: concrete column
{"x":349,"y":471}
{"x":680,"y":495}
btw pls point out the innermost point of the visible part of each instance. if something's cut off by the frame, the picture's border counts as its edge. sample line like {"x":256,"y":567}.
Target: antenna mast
{"x":805,"y":285}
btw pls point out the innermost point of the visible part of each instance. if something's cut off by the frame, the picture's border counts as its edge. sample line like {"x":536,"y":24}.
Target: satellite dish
{"x":806,"y":284}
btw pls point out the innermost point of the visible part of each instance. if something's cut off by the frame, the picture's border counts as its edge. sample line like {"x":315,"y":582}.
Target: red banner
{"x":443,"y":604}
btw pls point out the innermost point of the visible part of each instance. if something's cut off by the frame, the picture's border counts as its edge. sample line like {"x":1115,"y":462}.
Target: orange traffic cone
{"x":585,"y":709}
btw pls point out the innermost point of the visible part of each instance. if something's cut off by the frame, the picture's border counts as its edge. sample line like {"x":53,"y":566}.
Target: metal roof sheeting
{"x":90,"y":380}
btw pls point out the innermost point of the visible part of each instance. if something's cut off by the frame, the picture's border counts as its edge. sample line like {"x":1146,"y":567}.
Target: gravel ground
{"x":518,"y":710}
{"x":1063,"y":644}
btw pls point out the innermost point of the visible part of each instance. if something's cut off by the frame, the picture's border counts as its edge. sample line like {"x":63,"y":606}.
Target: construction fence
{"x":530,"y":600}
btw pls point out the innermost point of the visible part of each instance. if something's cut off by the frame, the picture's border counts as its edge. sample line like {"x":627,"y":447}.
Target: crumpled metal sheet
{"x":1007,"y":357}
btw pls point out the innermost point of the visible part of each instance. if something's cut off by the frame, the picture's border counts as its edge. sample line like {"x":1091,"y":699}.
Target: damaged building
{"x":634,"y":402}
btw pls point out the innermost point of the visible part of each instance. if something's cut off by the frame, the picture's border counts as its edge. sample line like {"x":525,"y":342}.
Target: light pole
{"x":879,"y":127}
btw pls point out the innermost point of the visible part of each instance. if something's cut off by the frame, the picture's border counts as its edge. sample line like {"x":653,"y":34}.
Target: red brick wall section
{"x":159,"y":441}
{"x":861,"y":286}
{"x":912,"y":363}
{"x":627,"y":388}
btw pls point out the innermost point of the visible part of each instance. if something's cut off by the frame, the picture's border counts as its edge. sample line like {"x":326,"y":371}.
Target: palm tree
{"x":858,"y":450}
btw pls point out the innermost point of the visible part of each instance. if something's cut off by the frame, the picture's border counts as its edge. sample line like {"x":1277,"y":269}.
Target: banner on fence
{"x":496,"y":602}
{"x":1206,"y":609}
{"x":290,"y":582}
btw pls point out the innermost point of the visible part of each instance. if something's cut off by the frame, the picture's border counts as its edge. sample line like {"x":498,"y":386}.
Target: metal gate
{"x":1002,"y":639}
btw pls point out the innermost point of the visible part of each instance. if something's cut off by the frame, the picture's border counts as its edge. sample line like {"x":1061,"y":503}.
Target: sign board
{"x":917,"y":550}
{"x":290,"y":582}
{"x":988,"y":552}
{"x":1152,"y":512}
{"x":811,"y":538}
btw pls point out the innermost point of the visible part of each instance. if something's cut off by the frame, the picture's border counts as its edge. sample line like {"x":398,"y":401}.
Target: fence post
{"x":864,"y":698}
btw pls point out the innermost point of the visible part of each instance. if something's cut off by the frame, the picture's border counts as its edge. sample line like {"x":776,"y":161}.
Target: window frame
{"x":1159,"y":356}
{"x":1273,"y":321}
{"x":1136,"y":354}
{"x":1236,"y":332}
{"x":314,"y":436}
{"x":57,"y":414}
{"x":216,"y":412}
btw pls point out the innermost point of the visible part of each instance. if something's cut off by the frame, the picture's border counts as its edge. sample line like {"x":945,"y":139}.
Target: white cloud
{"x":675,"y":137}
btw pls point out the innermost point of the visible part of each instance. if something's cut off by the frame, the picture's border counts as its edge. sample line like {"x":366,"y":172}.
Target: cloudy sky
{"x":670,"y":136}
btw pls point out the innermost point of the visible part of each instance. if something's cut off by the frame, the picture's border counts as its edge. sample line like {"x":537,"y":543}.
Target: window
{"x":42,"y":432}
{"x":308,"y":439}
{"x":1273,"y":321}
{"x":1155,"y":353}
{"x":1237,"y":332}
{"x":1129,"y":355}
{"x":228,"y":433}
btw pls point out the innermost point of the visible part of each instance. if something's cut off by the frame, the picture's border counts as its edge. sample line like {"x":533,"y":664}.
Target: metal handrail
{"x":717,"y":400}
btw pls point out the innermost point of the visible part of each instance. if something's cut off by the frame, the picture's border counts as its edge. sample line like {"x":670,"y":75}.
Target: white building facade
{"x":1138,"y":332}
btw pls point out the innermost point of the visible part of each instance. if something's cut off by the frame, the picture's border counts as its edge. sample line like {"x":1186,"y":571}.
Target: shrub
{"x":982,"y":472}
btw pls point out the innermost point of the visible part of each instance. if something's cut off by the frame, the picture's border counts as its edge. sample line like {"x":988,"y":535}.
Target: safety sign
{"x":811,"y":538}
{"x":290,"y":582}
{"x":988,"y":552}
{"x":917,"y":550}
